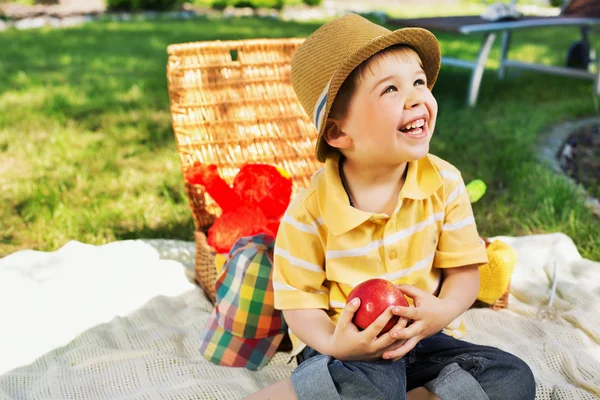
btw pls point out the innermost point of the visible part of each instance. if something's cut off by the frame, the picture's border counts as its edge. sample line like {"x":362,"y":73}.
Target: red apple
{"x":376,"y":295}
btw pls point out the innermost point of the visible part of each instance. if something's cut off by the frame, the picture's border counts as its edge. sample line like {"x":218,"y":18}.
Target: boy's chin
{"x":416,"y":155}
{"x":399,"y":157}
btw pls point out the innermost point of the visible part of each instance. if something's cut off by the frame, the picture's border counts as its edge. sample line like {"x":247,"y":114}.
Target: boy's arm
{"x":460,"y":250}
{"x":459,"y":289}
{"x":299,"y":278}
{"x":312,"y":326}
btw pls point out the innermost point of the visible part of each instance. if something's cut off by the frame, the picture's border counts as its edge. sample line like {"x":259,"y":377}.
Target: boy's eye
{"x":419,"y":82}
{"x":390,"y":89}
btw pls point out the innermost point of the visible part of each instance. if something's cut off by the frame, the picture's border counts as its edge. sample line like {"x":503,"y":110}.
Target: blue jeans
{"x":452,"y":369}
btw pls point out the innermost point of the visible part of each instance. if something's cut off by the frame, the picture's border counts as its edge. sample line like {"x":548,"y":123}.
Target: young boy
{"x":381,"y":207}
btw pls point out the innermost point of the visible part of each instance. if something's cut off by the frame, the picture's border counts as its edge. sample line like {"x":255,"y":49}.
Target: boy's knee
{"x":525,"y":380}
{"x":321,"y":377}
{"x":372,"y":380}
{"x":519,"y":382}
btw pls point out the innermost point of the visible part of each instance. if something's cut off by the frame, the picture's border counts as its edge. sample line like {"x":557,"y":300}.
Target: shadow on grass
{"x":173,"y":230}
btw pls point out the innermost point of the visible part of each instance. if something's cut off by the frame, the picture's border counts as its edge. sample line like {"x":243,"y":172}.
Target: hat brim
{"x":223,"y":348}
{"x":420,"y":40}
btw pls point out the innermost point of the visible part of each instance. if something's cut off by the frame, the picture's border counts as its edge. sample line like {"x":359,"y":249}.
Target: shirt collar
{"x":422,"y":180}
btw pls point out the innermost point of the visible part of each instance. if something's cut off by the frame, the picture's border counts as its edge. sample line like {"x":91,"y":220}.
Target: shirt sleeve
{"x":459,"y":243}
{"x":299,"y":263}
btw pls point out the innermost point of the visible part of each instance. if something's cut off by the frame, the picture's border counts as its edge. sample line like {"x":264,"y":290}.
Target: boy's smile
{"x":416,"y":128}
{"x":392,"y":113}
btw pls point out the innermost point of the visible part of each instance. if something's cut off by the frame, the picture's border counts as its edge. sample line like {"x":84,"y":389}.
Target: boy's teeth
{"x":416,"y":132}
{"x":415,"y":124}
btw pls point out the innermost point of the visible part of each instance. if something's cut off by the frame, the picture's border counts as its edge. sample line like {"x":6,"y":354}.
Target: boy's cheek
{"x":433,"y":107}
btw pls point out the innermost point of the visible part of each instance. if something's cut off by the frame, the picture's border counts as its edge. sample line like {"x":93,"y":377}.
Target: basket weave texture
{"x":232,"y":103}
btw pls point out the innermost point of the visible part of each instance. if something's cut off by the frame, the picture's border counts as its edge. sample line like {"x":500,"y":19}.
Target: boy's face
{"x":392,"y":114}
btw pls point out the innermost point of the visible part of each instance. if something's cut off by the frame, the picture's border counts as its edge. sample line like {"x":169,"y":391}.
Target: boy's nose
{"x":414,"y":99}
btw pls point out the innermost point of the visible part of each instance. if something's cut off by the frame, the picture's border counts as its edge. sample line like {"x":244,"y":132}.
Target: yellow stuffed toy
{"x":495,"y":275}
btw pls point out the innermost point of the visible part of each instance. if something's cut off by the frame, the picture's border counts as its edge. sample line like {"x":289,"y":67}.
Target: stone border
{"x":550,"y":146}
{"x":16,"y":11}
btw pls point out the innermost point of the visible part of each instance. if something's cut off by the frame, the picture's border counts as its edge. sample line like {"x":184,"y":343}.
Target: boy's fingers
{"x":402,"y":323}
{"x":377,"y":326}
{"x":393,"y":346}
{"x":407,"y":312}
{"x":348,"y":312}
{"x":406,"y":333}
{"x":412,"y":291}
{"x":402,"y":350}
{"x":384,"y":341}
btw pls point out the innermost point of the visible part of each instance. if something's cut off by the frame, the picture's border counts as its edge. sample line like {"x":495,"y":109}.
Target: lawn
{"x":87,"y":152}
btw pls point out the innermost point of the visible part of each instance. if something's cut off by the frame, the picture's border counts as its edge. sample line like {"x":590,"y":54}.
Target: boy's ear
{"x":335,"y":136}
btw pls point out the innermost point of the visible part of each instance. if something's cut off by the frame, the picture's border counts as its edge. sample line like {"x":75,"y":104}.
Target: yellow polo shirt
{"x":325,"y":247}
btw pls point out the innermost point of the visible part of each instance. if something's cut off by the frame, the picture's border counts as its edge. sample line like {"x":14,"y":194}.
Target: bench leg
{"x":585,"y":38}
{"x":484,"y":52}
{"x":506,"y":35}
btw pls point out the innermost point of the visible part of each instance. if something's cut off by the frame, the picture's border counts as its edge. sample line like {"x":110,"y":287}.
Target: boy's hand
{"x":348,"y":343}
{"x":429,"y":315}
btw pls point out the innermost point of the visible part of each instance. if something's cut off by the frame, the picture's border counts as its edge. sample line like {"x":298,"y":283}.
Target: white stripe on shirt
{"x":419,"y":265}
{"x":396,"y":237}
{"x":336,"y":304}
{"x":297,"y":262}
{"x":283,"y":286}
{"x":286,"y":287}
{"x":359,"y":251}
{"x":455,"y":193}
{"x":459,"y":224}
{"x":312,"y":228}
{"x":449,"y":175}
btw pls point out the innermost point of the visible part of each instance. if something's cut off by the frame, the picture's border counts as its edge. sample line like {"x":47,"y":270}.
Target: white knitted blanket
{"x":121,"y":321}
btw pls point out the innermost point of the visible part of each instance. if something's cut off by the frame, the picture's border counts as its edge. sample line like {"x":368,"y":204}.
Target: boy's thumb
{"x":354,"y":303}
{"x":348,"y":312}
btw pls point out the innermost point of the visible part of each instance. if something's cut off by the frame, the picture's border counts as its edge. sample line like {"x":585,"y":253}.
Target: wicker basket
{"x":232,"y":102}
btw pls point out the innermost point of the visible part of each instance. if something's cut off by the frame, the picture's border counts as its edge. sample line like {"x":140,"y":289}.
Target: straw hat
{"x":332,"y":52}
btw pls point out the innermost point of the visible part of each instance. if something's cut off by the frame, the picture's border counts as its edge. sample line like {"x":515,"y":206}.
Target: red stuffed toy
{"x":255,"y":204}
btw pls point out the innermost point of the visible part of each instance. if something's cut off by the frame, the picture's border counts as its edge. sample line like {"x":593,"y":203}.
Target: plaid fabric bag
{"x":244,"y":329}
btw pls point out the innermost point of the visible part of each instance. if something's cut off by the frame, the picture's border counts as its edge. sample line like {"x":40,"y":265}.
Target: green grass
{"x":26,"y":2}
{"x":410,"y":9}
{"x":426,"y":10}
{"x":87,"y":152}
{"x":208,"y":3}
